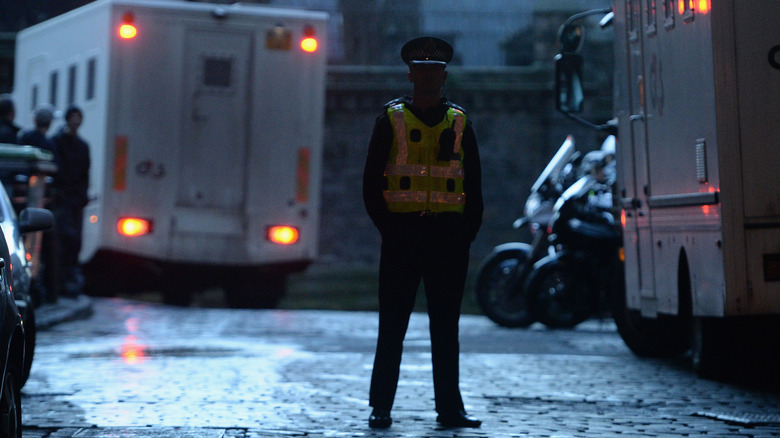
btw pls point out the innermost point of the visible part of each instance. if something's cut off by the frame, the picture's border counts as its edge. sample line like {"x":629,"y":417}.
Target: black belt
{"x":429,"y":213}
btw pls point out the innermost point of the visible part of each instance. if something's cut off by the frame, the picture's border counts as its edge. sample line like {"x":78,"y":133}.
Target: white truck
{"x":697,"y":110}
{"x":205,"y":127}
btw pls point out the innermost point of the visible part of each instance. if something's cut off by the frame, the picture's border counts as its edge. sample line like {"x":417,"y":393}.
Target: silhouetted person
{"x":37,"y":135}
{"x":422,"y":189}
{"x":9,"y":132}
{"x":71,"y":183}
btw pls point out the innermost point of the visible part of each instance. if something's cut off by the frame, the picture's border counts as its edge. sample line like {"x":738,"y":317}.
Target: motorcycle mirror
{"x":568,"y":82}
{"x":571,"y":37}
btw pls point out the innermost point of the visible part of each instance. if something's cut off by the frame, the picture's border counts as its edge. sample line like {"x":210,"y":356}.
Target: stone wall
{"x":517,"y":128}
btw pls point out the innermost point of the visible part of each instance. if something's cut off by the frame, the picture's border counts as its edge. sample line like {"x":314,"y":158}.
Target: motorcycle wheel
{"x":500,"y":298}
{"x":555,"y":295}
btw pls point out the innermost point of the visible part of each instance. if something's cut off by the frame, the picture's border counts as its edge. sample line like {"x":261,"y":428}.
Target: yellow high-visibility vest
{"x":417,"y":176}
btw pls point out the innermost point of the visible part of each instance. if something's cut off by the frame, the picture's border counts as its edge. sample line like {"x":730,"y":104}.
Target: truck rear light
{"x":133,"y":226}
{"x":282,"y":234}
{"x":309,"y":42}
{"x":127,"y":29}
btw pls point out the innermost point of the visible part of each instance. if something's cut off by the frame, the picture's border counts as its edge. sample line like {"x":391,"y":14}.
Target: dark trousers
{"x":69,"y":225}
{"x":435,"y":251}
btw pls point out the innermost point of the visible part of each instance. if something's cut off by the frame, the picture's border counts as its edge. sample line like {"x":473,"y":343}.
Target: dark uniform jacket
{"x":72,"y":179}
{"x":8,"y":132}
{"x":34,"y":137}
{"x":379,"y":149}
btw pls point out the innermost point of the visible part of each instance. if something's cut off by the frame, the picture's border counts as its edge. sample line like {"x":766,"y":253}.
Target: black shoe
{"x":458,"y":419}
{"x":380,"y":419}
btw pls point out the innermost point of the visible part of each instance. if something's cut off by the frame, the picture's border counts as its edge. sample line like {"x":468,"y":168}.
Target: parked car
{"x":14,"y":228}
{"x":24,"y":171}
{"x":12,"y":346}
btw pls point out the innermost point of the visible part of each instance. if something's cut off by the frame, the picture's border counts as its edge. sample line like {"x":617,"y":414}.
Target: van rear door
{"x":211,"y":191}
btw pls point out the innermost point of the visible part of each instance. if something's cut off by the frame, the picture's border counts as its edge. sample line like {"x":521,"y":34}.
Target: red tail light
{"x":127,"y":29}
{"x":282,"y":234}
{"x":309,"y":42}
{"x":133,"y":226}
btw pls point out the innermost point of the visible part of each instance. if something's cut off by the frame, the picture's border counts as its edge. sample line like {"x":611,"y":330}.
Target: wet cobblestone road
{"x":140,"y":370}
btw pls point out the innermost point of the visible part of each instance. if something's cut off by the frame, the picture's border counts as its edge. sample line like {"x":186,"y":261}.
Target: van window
{"x":686,"y":11}
{"x":668,"y":14}
{"x":53,"y":79}
{"x":72,"y":84}
{"x":650,"y":29}
{"x":91,"y":67}
{"x":634,"y":18}
{"x":34,"y":97}
{"x":216,"y":72}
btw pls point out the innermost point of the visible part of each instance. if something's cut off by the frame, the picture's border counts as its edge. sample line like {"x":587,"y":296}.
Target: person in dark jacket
{"x":37,"y":136}
{"x":70,"y":184}
{"x":422,"y":190}
{"x":8,"y":130}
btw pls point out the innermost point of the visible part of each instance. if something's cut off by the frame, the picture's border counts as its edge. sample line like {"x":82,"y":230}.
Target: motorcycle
{"x":583,"y":271}
{"x":503,"y":273}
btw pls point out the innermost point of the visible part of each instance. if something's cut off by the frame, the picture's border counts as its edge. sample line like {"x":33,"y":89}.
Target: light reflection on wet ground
{"x":299,"y":372}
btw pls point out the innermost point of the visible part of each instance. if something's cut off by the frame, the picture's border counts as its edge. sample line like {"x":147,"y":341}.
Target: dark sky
{"x":18,"y":15}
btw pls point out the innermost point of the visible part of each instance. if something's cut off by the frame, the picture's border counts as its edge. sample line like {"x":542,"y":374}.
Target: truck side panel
{"x":757,"y":66}
{"x":697,"y":110}
{"x":666,"y":116}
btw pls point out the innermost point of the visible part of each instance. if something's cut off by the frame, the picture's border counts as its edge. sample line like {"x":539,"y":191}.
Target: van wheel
{"x":98,"y":284}
{"x":255,"y":291}
{"x":176,"y":290}
{"x":11,"y":408}
{"x":663,"y":336}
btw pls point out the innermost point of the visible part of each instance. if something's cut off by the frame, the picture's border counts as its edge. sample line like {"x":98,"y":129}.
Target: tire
{"x":30,"y":334}
{"x":500,"y":301}
{"x":100,"y":284}
{"x":664,"y":336}
{"x":177,"y":289}
{"x":255,"y":292}
{"x":173,"y":295}
{"x":555,"y":295}
{"x":11,"y":408}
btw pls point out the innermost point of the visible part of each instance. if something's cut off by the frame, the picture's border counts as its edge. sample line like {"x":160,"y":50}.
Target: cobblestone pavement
{"x":134,"y":370}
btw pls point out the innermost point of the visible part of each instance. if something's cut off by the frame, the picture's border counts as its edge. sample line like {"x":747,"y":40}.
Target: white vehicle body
{"x":697,"y":88}
{"x":208,"y":123}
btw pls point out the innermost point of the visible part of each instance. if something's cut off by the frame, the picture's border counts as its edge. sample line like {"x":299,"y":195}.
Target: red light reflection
{"x":133,"y":353}
{"x":706,"y":209}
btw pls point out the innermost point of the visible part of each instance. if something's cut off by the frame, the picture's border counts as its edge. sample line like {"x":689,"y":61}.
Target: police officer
{"x":422,"y":189}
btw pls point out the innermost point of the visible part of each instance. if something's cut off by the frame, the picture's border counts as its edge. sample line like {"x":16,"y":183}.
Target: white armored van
{"x":205,"y":126}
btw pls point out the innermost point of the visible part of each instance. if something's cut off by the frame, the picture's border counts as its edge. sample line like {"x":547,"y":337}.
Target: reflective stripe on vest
{"x":425,"y":178}
{"x":418,"y":196}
